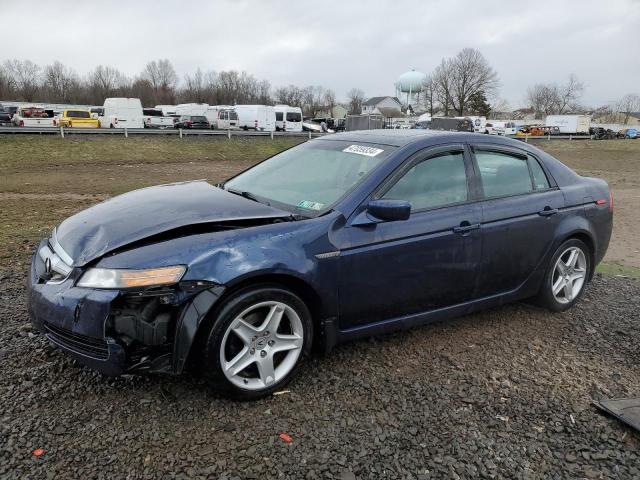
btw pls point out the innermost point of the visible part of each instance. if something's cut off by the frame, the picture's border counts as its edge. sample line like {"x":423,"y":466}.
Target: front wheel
{"x":257,"y":342}
{"x":566,"y":277}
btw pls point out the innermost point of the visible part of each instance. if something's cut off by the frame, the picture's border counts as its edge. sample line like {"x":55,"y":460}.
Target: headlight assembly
{"x":116,"y":278}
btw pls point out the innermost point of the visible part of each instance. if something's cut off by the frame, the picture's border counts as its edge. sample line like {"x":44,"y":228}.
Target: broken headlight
{"x":116,"y":278}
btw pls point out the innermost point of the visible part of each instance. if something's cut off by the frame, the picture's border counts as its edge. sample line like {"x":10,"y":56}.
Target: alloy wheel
{"x":569,"y":275}
{"x":261,"y":345}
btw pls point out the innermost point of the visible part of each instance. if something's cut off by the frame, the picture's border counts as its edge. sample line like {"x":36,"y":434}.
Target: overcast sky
{"x":340,"y":44}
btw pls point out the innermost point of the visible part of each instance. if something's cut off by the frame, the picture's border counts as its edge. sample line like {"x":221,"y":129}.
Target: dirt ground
{"x":506,"y":393}
{"x":618,"y":162}
{"x":45,"y":179}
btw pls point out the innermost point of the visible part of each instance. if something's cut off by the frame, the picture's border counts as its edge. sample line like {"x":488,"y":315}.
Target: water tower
{"x":409,"y":86}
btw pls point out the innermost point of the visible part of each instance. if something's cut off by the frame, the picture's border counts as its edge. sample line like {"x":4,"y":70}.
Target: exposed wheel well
{"x":299,"y":287}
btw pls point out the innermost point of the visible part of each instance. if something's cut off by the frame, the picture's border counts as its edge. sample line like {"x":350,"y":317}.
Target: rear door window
{"x":503,"y":174}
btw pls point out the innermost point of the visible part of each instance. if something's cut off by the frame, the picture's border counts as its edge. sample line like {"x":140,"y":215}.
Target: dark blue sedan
{"x":341,"y":237}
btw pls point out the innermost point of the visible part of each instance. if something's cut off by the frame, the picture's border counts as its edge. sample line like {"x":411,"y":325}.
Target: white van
{"x":122,"y":113}
{"x":288,"y":119}
{"x":222,"y":117}
{"x":256,"y":117}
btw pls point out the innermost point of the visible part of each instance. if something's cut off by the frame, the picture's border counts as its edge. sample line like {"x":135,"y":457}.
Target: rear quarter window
{"x":540,"y":180}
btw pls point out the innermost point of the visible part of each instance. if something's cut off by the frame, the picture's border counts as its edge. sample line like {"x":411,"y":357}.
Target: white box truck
{"x":288,"y":119}
{"x":256,"y":117}
{"x":122,"y":113}
{"x":569,"y":124}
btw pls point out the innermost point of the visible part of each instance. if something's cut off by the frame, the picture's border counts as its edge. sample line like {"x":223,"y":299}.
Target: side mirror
{"x":389,"y":210}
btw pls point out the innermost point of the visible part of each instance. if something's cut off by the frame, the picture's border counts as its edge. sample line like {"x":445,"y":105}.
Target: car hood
{"x":148,"y":212}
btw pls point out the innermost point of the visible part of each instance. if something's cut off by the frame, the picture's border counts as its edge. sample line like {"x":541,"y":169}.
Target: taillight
{"x":116,"y":121}
{"x":21,"y":123}
{"x":55,"y":123}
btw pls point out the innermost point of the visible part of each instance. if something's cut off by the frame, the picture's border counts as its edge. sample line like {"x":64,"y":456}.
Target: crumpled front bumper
{"x":74,"y":318}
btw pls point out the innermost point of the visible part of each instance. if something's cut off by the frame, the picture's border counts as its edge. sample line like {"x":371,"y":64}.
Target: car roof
{"x":402,"y":137}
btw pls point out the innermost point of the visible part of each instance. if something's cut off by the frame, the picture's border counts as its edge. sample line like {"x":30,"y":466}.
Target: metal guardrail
{"x":152,"y":131}
{"x":219,"y":133}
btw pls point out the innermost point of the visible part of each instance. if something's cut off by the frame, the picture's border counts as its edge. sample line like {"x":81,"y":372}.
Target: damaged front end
{"x":114,"y":331}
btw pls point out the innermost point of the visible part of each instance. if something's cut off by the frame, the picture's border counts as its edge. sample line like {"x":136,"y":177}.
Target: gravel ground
{"x":502,"y":394}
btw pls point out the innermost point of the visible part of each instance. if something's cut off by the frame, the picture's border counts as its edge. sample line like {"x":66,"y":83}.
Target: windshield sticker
{"x":311,"y":205}
{"x":362,"y":150}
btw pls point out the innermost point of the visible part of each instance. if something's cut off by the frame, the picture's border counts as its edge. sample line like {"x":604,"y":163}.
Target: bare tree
{"x":551,"y":98}
{"x":141,"y":88}
{"x":106,"y":82}
{"x":194,"y":89}
{"x":543,"y":98}
{"x":443,"y":85}
{"x":628,"y":104}
{"x":61,"y":83}
{"x":500,"y":105}
{"x":290,"y":95}
{"x":429,"y":95}
{"x":471,"y":74}
{"x":356,"y":99}
{"x":24,"y":75}
{"x":569,"y":93}
{"x":163,"y":79}
{"x":329,"y":101}
{"x":7,"y":89}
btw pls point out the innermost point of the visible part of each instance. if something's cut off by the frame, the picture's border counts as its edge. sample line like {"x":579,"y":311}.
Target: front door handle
{"x":466,"y":227}
{"x":547,"y":212}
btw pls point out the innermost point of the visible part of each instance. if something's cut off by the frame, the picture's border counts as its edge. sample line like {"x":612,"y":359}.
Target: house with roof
{"x":388,"y":107}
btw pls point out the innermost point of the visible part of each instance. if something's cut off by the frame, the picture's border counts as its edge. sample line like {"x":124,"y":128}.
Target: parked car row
{"x":129,"y":113}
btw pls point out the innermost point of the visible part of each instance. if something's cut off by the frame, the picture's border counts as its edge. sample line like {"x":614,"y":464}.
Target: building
{"x":387,"y":106}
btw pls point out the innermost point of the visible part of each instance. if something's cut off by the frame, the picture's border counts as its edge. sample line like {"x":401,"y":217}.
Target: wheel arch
{"x":296,"y":285}
{"x":587,"y":238}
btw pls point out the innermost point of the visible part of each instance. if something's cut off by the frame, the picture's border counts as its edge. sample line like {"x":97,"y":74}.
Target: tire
{"x":262,"y":352}
{"x":567,"y":296}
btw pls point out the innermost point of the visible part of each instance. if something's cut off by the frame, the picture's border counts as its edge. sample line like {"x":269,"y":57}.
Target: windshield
{"x":312,"y":176}
{"x":78,"y":114}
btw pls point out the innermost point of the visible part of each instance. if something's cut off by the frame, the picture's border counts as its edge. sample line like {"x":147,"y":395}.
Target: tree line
{"x":465,"y":84}
{"x":157,"y":84}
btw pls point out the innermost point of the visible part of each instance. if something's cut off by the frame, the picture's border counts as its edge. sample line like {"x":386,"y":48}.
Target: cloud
{"x":365,"y":44}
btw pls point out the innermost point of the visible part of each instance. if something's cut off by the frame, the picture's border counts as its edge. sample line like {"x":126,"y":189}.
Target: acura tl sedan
{"x":344,"y":236}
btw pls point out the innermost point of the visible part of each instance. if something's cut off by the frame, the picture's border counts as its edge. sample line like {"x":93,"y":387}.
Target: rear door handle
{"x":466,"y":227}
{"x":547,"y":212}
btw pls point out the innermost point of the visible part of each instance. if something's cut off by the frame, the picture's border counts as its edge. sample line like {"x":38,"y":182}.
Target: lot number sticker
{"x":311,"y":205}
{"x":362,"y":150}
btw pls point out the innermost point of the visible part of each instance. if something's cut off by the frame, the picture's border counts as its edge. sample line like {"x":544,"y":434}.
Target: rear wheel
{"x":257,"y":342}
{"x":566,"y":277}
